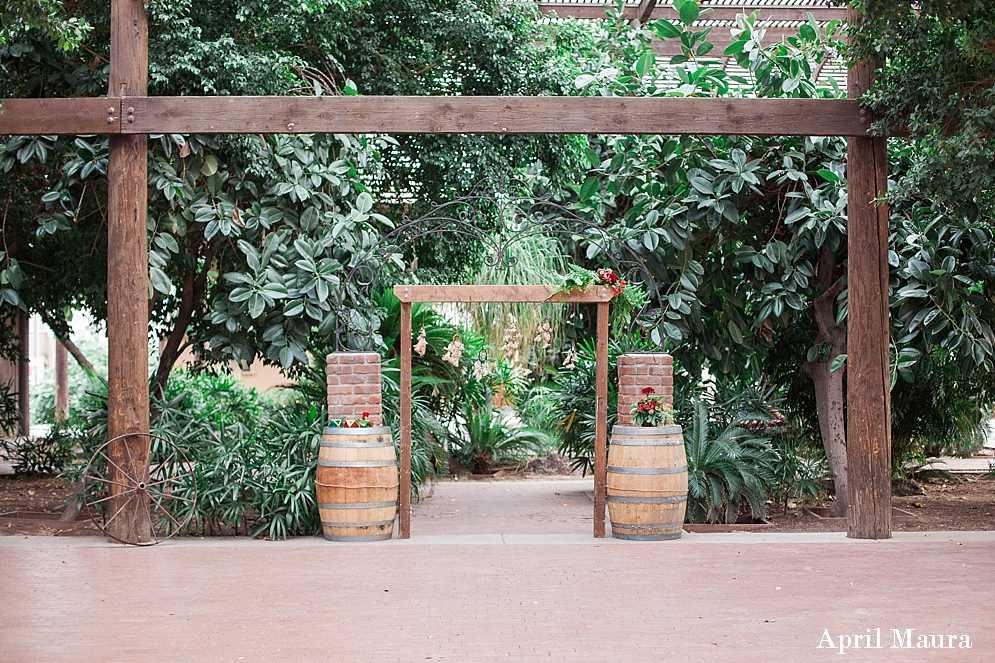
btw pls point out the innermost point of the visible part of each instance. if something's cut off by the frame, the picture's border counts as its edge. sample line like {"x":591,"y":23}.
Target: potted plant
{"x":649,"y":411}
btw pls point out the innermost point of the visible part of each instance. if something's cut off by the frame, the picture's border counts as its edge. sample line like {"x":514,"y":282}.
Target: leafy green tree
{"x":938,"y":83}
{"x":251,"y":240}
{"x":746,"y":235}
{"x":742,"y":234}
{"x":46,"y":16}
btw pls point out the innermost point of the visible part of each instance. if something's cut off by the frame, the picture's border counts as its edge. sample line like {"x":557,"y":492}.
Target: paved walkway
{"x":470,"y":592}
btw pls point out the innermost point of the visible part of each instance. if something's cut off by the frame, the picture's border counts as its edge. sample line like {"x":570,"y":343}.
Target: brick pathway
{"x":530,"y":596}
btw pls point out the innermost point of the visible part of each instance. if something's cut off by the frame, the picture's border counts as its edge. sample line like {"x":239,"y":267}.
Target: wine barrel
{"x":647,"y":482}
{"x":356,"y":482}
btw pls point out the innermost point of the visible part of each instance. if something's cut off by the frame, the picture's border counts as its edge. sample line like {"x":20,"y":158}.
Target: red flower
{"x":366,"y":415}
{"x":607,"y":276}
{"x":649,"y":390}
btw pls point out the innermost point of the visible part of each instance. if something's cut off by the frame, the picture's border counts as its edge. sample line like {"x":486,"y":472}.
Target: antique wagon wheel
{"x":166,"y":496}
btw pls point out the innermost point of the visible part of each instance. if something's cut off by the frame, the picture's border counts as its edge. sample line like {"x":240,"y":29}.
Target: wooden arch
{"x":538,"y":294}
{"x":128,"y":115}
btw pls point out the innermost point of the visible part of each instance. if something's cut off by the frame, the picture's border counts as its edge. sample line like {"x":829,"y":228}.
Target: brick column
{"x":354,"y":386}
{"x":639,"y":370}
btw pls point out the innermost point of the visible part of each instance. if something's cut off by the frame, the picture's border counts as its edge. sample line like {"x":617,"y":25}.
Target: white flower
{"x":481,"y":369}
{"x":570,"y":361}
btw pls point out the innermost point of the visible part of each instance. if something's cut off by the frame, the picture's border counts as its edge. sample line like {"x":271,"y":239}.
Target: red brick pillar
{"x":354,"y":386}
{"x":639,"y":370}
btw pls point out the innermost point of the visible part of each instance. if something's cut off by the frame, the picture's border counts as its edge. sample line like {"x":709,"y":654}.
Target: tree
{"x":938,"y":83}
{"x":746,"y":235}
{"x":46,"y":16}
{"x":251,"y":239}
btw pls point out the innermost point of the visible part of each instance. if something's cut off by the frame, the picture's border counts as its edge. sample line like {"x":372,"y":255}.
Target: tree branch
{"x":72,"y":348}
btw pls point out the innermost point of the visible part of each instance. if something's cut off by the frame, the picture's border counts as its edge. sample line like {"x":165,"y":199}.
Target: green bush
{"x":10,"y":415}
{"x":80,"y":383}
{"x":539,"y":409}
{"x":573,"y":392}
{"x":941,"y":411}
{"x":45,"y":455}
{"x":253,"y":458}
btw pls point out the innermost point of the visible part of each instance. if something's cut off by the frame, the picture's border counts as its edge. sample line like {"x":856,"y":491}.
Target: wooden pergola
{"x":128,"y":115}
{"x":780,"y":18}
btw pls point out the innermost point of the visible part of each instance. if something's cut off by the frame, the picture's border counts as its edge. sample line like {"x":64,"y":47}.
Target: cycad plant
{"x":492,"y":436}
{"x":724,"y":470}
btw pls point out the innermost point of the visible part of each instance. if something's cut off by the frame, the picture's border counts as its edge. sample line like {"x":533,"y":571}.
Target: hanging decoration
{"x":544,"y":335}
{"x":454,"y":351}
{"x":422,"y":343}
{"x":570,"y":361}
{"x":512,"y":339}
{"x":482,"y":368}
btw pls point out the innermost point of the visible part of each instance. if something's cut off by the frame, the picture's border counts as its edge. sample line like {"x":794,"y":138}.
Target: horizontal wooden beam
{"x":436,"y":115}
{"x":60,"y":117}
{"x":536,"y":294}
{"x":717,"y":13}
{"x":722,"y":38}
{"x":496,"y":115}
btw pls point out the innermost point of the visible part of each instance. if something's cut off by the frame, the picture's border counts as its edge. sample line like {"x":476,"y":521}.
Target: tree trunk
{"x":61,"y":381}
{"x":829,"y":385}
{"x":829,"y":403}
{"x":191,"y":294}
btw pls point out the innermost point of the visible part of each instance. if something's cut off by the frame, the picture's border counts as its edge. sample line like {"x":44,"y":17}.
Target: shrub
{"x":10,"y":415}
{"x":254,"y":459}
{"x":573,"y":391}
{"x":539,"y":410}
{"x":45,"y":455}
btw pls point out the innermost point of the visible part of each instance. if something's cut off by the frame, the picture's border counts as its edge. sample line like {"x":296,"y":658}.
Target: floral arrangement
{"x":612,"y":280}
{"x":649,"y":411}
{"x":512,"y":341}
{"x":627,"y":297}
{"x":544,"y":335}
{"x":352,"y":423}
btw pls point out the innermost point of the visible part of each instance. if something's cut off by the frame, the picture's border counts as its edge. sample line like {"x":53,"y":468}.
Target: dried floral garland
{"x":454,"y":351}
{"x":422,"y":344}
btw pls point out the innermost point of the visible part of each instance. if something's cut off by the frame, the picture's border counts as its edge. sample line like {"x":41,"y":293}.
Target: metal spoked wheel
{"x":163,"y":500}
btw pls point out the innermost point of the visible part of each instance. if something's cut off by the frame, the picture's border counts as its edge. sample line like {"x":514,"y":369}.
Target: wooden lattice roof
{"x":779,"y":18}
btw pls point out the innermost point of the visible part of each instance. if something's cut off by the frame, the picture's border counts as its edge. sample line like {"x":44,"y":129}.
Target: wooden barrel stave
{"x":647,"y":483}
{"x":357,"y":484}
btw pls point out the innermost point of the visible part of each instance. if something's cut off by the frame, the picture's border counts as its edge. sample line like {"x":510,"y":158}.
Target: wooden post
{"x":601,"y":421}
{"x":645,"y":10}
{"x":23,"y":373}
{"x":61,"y":381}
{"x":404,"y":506}
{"x":127,"y":276}
{"x":868,"y":385}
